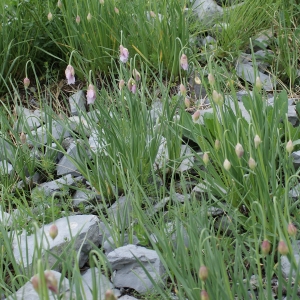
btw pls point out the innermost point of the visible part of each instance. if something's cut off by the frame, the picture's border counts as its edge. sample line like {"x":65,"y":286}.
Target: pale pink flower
{"x":116,"y":10}
{"x":91,"y":94}
{"x":59,"y":4}
{"x":131,"y":84}
{"x":50,"y":17}
{"x":26,"y":82}
{"x":136,"y":75}
{"x":101,"y":1}
{"x":152,"y":14}
{"x":70,"y":74}
{"x":78,"y":19}
{"x":121,"y":84}
{"x":124,"y":54}
{"x":184,"y":62}
{"x":182,"y":89}
{"x":196,"y":115}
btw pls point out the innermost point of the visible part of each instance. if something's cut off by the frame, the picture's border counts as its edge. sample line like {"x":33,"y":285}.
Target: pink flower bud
{"x":59,"y":4}
{"x":265,"y":247}
{"x":136,"y":75}
{"x":116,"y":10}
{"x":26,"y":82}
{"x":289,"y":146}
{"x":257,"y":141}
{"x":89,"y":17}
{"x":35,"y":282}
{"x":121,"y":84}
{"x":217,"y":145}
{"x":78,"y":19}
{"x":124,"y":54}
{"x":182,"y":89}
{"x":204,"y":295}
{"x":187,"y":102}
{"x":152,"y":14}
{"x":205,"y":159}
{"x":70,"y":74}
{"x":184,"y":62}
{"x":91,"y":94}
{"x":227,"y":164}
{"x":22,"y":138}
{"x":196,"y":116}
{"x":292,"y":230}
{"x":53,"y":231}
{"x":211,"y":79}
{"x":131,"y":85}
{"x":239,"y":150}
{"x":217,"y":98}
{"x":283,"y":248}
{"x":251,"y":163}
{"x":109,"y":295}
{"x":101,"y":2}
{"x":50,"y":17}
{"x":51,"y":282}
{"x":203,"y":272}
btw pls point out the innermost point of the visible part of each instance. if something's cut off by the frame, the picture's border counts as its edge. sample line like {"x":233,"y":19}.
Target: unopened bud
{"x":258,"y":83}
{"x":239,"y":150}
{"x":257,"y":141}
{"x":187,"y":102}
{"x":109,"y":295}
{"x":217,"y":98}
{"x":205,"y":159}
{"x":101,"y":2}
{"x":217,"y":145}
{"x":35,"y":282}
{"x":152,"y":14}
{"x":121,"y":84}
{"x":211,"y":79}
{"x":292,"y":230}
{"x":203,"y":272}
{"x":23,"y":138}
{"x":196,"y":115}
{"x":116,"y":10}
{"x":26,"y":82}
{"x":227,"y":164}
{"x":251,"y":163}
{"x":59,"y":4}
{"x":265,"y":247}
{"x":51,"y":281}
{"x":78,"y":19}
{"x":283,"y":248}
{"x":89,"y":17}
{"x":50,"y":17}
{"x":182,"y":89}
{"x":204,"y":295}
{"x":289,"y":146}
{"x":53,"y":231}
{"x":136,"y":75}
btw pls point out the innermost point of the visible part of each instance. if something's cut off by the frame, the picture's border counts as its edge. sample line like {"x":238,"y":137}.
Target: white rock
{"x":207,"y":10}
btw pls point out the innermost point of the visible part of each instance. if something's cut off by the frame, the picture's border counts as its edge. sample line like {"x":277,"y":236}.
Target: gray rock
{"x":224,"y":224}
{"x":296,"y":159}
{"x":79,"y":124}
{"x":80,"y":231}
{"x":110,"y":244}
{"x":5,"y":168}
{"x":48,"y":188}
{"x":120,"y":212}
{"x":295,"y":192}
{"x":207,"y":10}
{"x":285,"y":263}
{"x":262,"y":40}
{"x":188,"y":158}
{"x":77,"y":103}
{"x":65,"y":165}
{"x":83,"y":196}
{"x":292,"y":115}
{"x":5,"y":218}
{"x":209,"y":42}
{"x":28,"y":292}
{"x":102,"y":284}
{"x":201,"y":190}
{"x":97,"y":143}
{"x":177,"y":233}
{"x":246,"y":71}
{"x":7,"y":150}
{"x":126,"y":297}
{"x":156,"y":111}
{"x":126,"y":263}
{"x":39,"y":136}
{"x":26,"y":119}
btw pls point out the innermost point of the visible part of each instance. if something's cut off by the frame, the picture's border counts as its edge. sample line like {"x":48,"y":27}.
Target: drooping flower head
{"x":50,"y":16}
{"x":131,"y":84}
{"x":89,"y":17}
{"x":78,"y":19}
{"x":124,"y":54}
{"x":91,"y":94}
{"x":116,"y":10}
{"x":184,"y":62}
{"x":136,"y":75}
{"x":70,"y":74}
{"x":26,"y":82}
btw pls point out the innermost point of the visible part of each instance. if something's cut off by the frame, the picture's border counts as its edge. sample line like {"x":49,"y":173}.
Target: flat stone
{"x":126,"y":263}
{"x":102,"y":284}
{"x":97,"y":144}
{"x":156,"y":111}
{"x":77,"y":103}
{"x":26,"y":119}
{"x":188,"y":158}
{"x":207,"y":10}
{"x":110,"y":243}
{"x":292,"y":115}
{"x":120,"y":211}
{"x":285,"y":263}
{"x":83,"y":196}
{"x":79,"y":124}
{"x":7,"y":150}
{"x":5,"y":218}
{"x":65,"y":165}
{"x":81,"y":231}
{"x":28,"y":292}
{"x":295,"y":192}
{"x":5,"y":168}
{"x":48,"y":188}
{"x":296,"y":159}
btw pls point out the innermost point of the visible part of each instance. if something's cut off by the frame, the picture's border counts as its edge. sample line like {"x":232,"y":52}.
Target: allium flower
{"x":182,"y":89}
{"x":217,"y":145}
{"x":50,"y":279}
{"x":116,"y":10}
{"x":258,"y":83}
{"x":26,"y":82}
{"x":251,"y":163}
{"x":152,"y":14}
{"x":211,"y":79}
{"x":257,"y":141}
{"x":89,"y":17}
{"x":217,"y":98}
{"x":187,"y":102}
{"x":91,"y":94}
{"x":121,"y":84}
{"x":239,"y":150}
{"x":136,"y":75}
{"x":50,"y":17}
{"x":265,"y":247}
{"x":289,"y":146}
{"x":196,"y":116}
{"x":59,"y":4}
{"x":131,"y":84}
{"x":70,"y":74}
{"x":227,"y":164}
{"x":101,"y":1}
{"x":204,"y":295}
{"x":197,"y":80}
{"x":292,"y":230}
{"x":109,"y":295}
{"x":203,"y":271}
{"x":78,"y":19}
{"x":53,"y":231}
{"x":283,"y":248}
{"x":124,"y":54}
{"x":184,"y":62}
{"x":23,"y":138}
